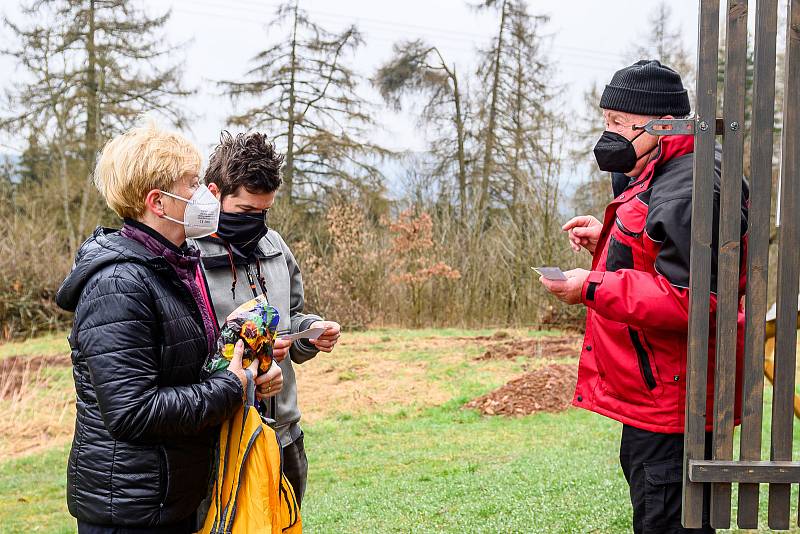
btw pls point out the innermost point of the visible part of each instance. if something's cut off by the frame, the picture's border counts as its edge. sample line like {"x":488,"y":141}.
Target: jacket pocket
{"x":618,"y":364}
{"x":620,"y":255}
{"x":627,"y":231}
{"x":662,"y":495}
{"x":644,"y":359}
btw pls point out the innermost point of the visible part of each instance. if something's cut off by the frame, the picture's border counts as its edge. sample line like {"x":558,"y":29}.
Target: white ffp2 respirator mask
{"x":202,"y":213}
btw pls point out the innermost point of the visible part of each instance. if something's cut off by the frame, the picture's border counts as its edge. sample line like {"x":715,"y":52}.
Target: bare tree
{"x":417,"y":67}
{"x":529,"y":153}
{"x":489,"y":106}
{"x":514,"y":73}
{"x":91,"y":68}
{"x":663,"y":40}
{"x":593,"y":192}
{"x":303,"y":92}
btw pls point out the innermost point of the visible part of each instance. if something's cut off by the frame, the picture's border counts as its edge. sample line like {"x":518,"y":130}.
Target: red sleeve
{"x":639,"y":299}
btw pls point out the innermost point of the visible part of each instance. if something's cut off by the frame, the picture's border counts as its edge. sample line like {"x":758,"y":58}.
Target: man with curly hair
{"x":244,"y":259}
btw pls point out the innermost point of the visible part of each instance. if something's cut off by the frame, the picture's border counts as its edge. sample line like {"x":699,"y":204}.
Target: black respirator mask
{"x":616,"y":153}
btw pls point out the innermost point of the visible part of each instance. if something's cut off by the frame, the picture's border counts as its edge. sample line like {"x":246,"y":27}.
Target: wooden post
{"x":788,"y":273}
{"x":730,"y":221}
{"x":763,"y":122}
{"x":700,"y":262}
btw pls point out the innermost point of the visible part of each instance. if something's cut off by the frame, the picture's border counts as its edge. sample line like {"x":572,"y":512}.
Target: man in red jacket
{"x":633,"y":361}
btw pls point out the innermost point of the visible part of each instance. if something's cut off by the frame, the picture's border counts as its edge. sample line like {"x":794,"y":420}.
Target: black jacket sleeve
{"x":669,"y":218}
{"x":670,"y":223}
{"x":117,"y":333}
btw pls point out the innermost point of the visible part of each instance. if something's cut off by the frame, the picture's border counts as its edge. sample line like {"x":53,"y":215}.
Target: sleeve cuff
{"x":232,"y":378}
{"x":589,"y":290}
{"x":306,"y":323}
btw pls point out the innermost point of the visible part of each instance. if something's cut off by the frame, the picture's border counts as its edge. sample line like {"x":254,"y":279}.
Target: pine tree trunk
{"x":92,"y":112}
{"x":488,"y":154}
{"x":518,"y":269}
{"x":462,"y":160}
{"x":473,"y":243}
{"x":288,"y":172}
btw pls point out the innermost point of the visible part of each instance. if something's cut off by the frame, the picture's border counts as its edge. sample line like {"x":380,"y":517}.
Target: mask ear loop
{"x":178,"y":197}
{"x":188,"y":201}
{"x":643,"y":131}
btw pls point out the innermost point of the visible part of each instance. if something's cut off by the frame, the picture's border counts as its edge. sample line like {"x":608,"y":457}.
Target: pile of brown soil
{"x":548,"y":389}
{"x":17,"y":372}
{"x":551,"y":347}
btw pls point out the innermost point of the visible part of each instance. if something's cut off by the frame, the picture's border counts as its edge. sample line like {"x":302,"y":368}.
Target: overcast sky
{"x":589,"y":40}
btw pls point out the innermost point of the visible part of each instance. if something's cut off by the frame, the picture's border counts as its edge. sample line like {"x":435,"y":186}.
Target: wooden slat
{"x":763,"y":119}
{"x":730,"y":223}
{"x":788,"y":273}
{"x":744,"y":471}
{"x":763,"y":122}
{"x":769,"y":372}
{"x":700,"y":261}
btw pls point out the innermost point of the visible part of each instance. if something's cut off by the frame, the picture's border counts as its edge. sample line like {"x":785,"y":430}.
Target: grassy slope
{"x":440,"y":469}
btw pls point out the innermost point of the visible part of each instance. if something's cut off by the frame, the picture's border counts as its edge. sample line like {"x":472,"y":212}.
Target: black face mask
{"x":615,"y":153}
{"x":243,"y":231}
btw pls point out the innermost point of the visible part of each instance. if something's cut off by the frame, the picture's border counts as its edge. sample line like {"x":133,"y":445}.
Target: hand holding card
{"x":551,"y":273}
{"x":311,"y":333}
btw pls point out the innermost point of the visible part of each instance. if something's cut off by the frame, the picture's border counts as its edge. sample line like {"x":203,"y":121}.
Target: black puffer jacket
{"x":146,"y":418}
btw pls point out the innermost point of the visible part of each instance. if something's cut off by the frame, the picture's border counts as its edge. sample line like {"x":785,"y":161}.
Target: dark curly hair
{"x":247,"y":160}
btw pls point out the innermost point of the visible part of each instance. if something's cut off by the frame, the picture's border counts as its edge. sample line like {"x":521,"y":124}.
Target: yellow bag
{"x":251,"y":494}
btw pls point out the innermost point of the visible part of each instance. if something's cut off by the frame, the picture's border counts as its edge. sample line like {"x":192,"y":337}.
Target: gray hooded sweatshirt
{"x":284,"y":291}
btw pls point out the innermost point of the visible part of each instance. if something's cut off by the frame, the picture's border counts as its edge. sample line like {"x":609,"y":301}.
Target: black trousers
{"x":295,"y":467}
{"x":186,"y":527}
{"x":653,"y":466}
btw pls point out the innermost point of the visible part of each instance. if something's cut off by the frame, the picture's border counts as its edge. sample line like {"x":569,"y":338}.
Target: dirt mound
{"x":552,"y":347}
{"x":17,"y":371}
{"x":548,"y":389}
{"x":500,"y":334}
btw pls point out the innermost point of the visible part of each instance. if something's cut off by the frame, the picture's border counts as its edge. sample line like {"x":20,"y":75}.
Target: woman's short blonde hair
{"x":140,"y":160}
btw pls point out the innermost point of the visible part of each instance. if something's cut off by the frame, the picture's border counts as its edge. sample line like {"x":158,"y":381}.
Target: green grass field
{"x":407,"y":467}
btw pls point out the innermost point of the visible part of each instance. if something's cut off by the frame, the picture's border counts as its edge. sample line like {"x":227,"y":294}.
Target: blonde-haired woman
{"x":142,"y":453}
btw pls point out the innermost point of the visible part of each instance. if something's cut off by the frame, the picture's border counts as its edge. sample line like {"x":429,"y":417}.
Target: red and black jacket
{"x":633,"y":361}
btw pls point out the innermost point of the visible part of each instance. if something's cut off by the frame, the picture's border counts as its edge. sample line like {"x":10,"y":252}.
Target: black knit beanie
{"x":646,"y":88}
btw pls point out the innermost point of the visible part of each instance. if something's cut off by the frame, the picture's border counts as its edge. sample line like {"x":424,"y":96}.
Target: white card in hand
{"x":551,"y":273}
{"x":311,"y":333}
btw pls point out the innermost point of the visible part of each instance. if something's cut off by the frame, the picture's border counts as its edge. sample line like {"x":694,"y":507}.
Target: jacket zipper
{"x":644,"y":359}
{"x":625,"y":230}
{"x":162,"y":469}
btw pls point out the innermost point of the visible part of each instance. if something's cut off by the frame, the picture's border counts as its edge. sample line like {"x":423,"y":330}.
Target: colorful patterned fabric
{"x":256,"y":323}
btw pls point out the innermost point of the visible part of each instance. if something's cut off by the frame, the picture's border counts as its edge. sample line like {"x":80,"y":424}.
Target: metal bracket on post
{"x":661,"y":127}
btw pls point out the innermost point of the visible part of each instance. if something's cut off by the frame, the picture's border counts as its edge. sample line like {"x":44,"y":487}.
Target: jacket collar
{"x":104,"y":247}
{"x":669,"y":147}
{"x":213,"y":245}
{"x":180,"y":257}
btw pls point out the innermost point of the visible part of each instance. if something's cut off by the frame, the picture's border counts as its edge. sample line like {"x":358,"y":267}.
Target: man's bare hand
{"x":568,"y":290}
{"x":328,"y":339}
{"x":281,"y":349}
{"x":236,"y":364}
{"x":584,"y":231}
